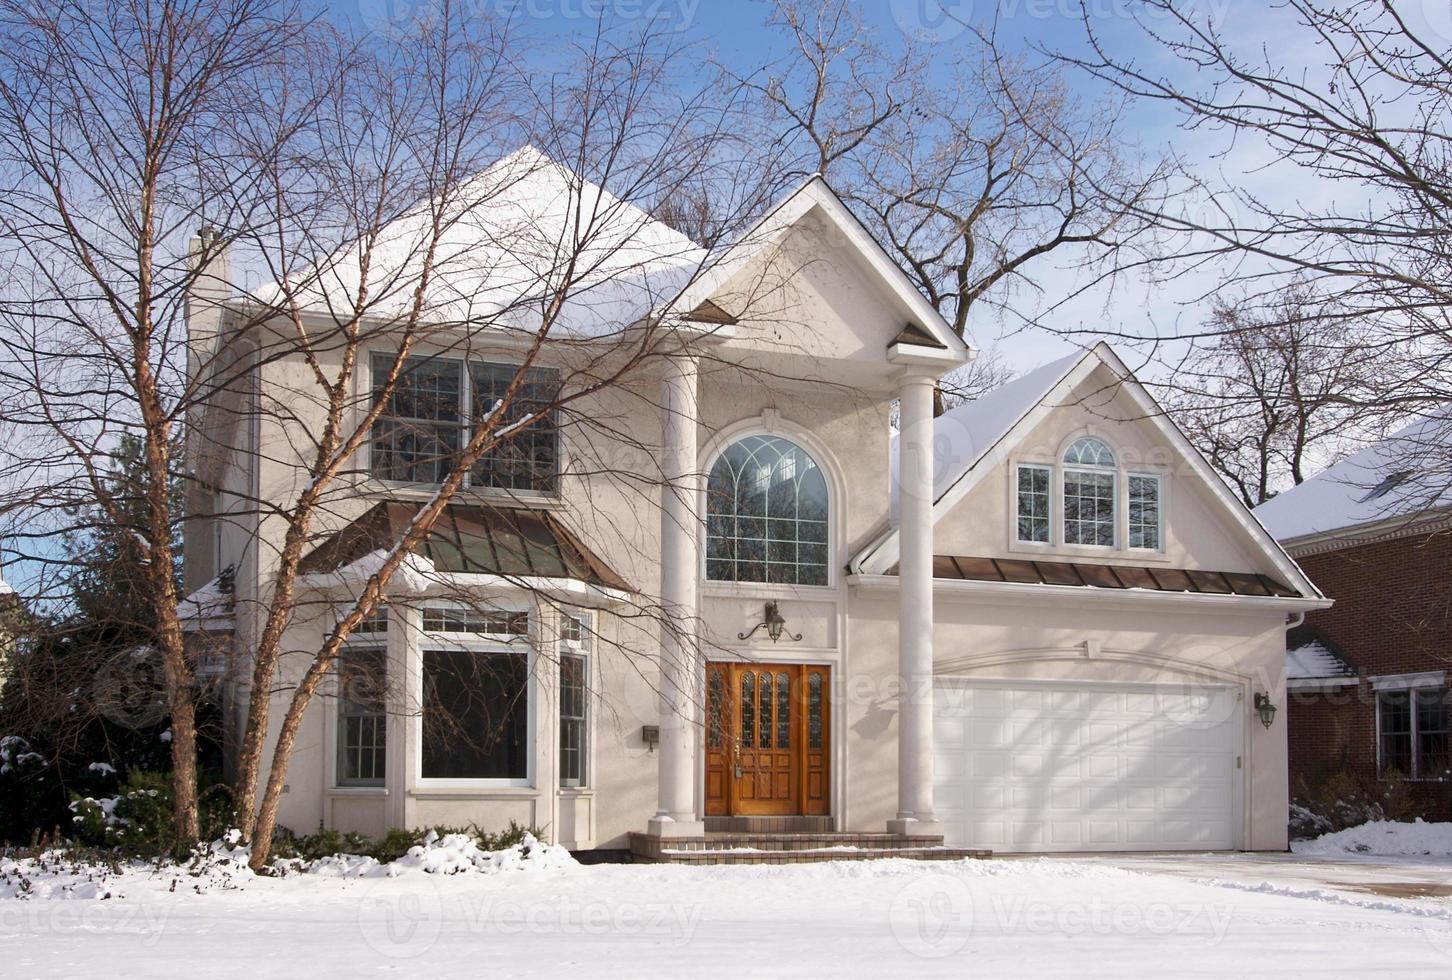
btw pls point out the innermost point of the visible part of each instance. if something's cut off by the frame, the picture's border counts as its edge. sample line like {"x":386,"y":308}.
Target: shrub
{"x":392,"y":845}
{"x":137,"y":821}
{"x":1341,"y":800}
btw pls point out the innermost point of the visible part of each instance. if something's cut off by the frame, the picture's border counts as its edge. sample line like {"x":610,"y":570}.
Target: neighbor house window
{"x":1090,"y":483}
{"x":362,"y":704}
{"x":476,"y":708}
{"x":1033,"y":503}
{"x":766,"y":514}
{"x":1144,"y":511}
{"x":438,"y":401}
{"x":1412,"y":733}
{"x":574,"y":708}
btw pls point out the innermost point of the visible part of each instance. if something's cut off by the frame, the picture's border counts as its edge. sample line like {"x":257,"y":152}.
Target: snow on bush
{"x":1383,"y":837}
{"x":449,"y":854}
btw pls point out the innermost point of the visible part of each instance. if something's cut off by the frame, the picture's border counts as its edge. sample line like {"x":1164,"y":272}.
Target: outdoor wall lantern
{"x":1264,"y":707}
{"x":775,"y":626}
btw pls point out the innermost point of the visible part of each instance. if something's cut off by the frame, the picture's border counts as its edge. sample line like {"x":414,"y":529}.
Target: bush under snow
{"x":1383,"y":837}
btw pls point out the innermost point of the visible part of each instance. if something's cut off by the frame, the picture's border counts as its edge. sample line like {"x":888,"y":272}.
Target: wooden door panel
{"x":772,"y":721}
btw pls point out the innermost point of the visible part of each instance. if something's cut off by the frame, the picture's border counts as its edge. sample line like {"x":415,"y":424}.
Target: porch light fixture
{"x":1265,"y":708}
{"x":775,"y":626}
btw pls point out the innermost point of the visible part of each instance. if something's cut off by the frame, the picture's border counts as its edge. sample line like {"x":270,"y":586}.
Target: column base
{"x":913,"y":827}
{"x":666,"y":826}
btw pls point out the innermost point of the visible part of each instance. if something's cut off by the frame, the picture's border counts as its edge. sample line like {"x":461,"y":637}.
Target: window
{"x":574,"y":710}
{"x":429,"y":417}
{"x":766,"y":515}
{"x":1033,"y":503}
{"x":362,"y":737}
{"x":1144,"y":512}
{"x":475,"y":715}
{"x":1412,"y":733}
{"x":450,"y":619}
{"x":1089,"y":494}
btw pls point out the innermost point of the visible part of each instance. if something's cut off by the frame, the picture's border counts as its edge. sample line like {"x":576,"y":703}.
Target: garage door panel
{"x":1064,"y":767}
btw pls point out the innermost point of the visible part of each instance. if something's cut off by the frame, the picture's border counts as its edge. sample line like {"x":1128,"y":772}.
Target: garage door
{"x":1086,"y":767}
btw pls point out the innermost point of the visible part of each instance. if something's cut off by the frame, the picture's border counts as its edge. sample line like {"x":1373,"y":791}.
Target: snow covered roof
{"x":208,"y":608}
{"x":503,"y":250}
{"x":1399,"y":477}
{"x":1310,"y":654}
{"x":963,"y":435}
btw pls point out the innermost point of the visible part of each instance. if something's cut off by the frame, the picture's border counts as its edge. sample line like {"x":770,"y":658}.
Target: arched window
{"x":766,"y":514}
{"x":1089,"y":493}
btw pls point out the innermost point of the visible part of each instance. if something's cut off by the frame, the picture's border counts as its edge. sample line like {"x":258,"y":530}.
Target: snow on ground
{"x":1383,"y":837}
{"x":1031,"y":918}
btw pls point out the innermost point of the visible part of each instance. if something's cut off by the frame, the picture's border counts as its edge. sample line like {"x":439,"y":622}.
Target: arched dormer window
{"x":1090,"y":493}
{"x":766,"y":514}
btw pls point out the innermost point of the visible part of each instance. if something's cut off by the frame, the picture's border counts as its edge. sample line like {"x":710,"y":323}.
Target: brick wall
{"x":1393,"y":615}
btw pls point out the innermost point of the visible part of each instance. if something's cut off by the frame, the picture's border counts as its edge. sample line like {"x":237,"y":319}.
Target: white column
{"x":915,"y":611}
{"x":680,"y":668}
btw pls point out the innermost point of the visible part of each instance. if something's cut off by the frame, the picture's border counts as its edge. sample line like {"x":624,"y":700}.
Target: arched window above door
{"x":766,"y":514}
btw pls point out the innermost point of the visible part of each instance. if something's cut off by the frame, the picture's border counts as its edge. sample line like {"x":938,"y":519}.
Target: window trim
{"x":804,"y":441}
{"x":465,"y":424}
{"x":1115,"y":524}
{"x":1048,"y":469}
{"x":1412,"y":692}
{"x":1129,"y":477}
{"x":479,"y":643}
{"x":370,"y":640}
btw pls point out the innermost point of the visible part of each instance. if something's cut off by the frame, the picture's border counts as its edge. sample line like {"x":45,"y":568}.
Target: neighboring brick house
{"x":1367,"y":679}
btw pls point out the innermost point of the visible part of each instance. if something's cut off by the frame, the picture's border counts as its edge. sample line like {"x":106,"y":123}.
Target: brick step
{"x":769,"y":825}
{"x":740,"y":848}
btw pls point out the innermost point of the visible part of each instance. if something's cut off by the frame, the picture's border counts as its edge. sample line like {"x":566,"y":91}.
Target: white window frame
{"x":1115,"y":526}
{"x":466,"y":425}
{"x":578,"y":647}
{"x":379,"y":641}
{"x":480,"y":643}
{"x":1411,"y":691}
{"x":1048,"y":470}
{"x":1159,"y":481}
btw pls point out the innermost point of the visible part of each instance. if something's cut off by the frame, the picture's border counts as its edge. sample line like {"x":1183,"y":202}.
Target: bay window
{"x":362,"y":731}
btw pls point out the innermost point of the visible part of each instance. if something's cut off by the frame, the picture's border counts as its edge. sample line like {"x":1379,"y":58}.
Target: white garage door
{"x":1064,"y":767}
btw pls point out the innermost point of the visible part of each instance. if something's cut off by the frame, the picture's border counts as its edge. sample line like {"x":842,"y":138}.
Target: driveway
{"x":1391,"y":877}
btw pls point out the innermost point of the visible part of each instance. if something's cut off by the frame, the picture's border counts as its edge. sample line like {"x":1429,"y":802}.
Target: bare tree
{"x":1358,"y":140}
{"x":1271,"y":394}
{"x":117,"y":138}
{"x":973,"y":184}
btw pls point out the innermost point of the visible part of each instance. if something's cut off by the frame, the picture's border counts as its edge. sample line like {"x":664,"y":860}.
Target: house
{"x":1368,"y":677}
{"x":1038,"y":622}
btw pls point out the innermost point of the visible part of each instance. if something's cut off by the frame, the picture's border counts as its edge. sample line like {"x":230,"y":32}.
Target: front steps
{"x":792,"y":848}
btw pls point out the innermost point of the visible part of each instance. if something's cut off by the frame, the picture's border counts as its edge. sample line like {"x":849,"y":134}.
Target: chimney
{"x":211,"y":287}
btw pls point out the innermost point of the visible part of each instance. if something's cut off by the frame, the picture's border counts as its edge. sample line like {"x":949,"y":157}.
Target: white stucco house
{"x":1038,"y":622}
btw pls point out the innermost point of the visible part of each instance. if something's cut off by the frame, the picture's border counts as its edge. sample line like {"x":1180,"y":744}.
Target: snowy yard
{"x":1233,"y":916}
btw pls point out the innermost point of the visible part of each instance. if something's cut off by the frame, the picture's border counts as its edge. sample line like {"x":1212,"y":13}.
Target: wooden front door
{"x":767,"y":739}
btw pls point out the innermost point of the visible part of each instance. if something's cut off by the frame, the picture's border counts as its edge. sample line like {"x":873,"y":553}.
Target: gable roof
{"x":501,"y":253}
{"x":1398,"y":478}
{"x":816,"y":195}
{"x":1311,"y":654}
{"x":985,"y":431}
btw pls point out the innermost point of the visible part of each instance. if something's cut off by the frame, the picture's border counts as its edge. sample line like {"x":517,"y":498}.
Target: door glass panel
{"x":748,"y":709}
{"x":766,"y":711}
{"x":715,"y":709}
{"x":783,"y":712}
{"x":814,"y":710}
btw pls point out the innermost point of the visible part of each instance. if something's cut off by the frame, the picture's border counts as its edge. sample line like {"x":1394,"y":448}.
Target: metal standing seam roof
{"x":471,"y":538}
{"x":1023,"y":571}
